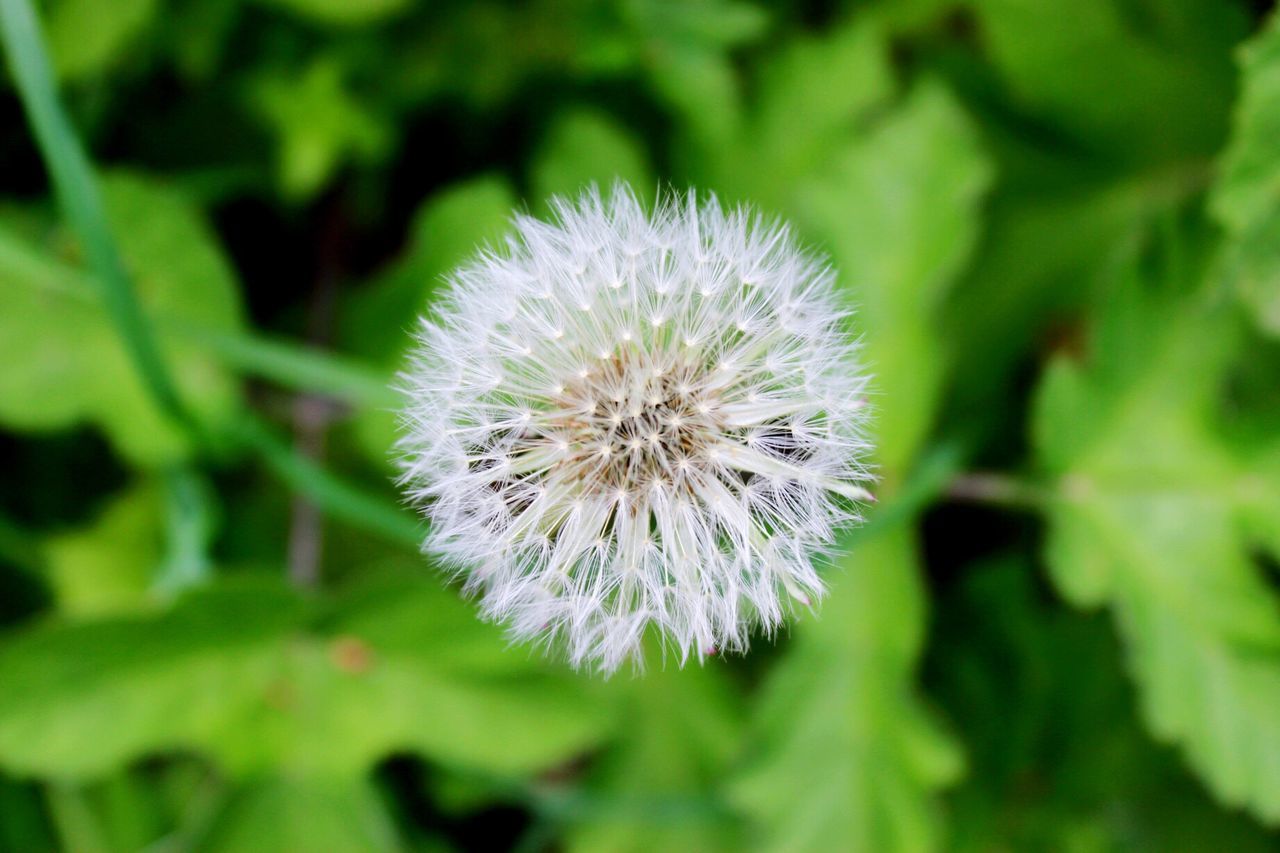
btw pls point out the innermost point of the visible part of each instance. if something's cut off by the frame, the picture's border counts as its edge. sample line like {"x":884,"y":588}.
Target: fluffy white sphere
{"x":623,"y":420}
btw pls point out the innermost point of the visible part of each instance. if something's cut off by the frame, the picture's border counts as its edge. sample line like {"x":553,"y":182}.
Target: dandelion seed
{"x":672,"y":486}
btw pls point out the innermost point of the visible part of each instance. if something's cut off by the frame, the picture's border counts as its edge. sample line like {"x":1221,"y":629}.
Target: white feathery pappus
{"x":624,"y":420}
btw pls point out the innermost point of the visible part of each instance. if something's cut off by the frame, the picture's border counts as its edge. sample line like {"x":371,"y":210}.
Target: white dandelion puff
{"x":623,"y":420}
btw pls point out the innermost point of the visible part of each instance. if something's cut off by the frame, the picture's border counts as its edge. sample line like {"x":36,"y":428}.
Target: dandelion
{"x":624,"y":420}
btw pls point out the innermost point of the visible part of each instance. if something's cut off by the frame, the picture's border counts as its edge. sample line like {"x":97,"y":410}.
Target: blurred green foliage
{"x":1060,"y":229}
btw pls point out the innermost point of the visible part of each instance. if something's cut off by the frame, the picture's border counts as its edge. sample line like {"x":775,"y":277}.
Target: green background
{"x":1059,"y":225}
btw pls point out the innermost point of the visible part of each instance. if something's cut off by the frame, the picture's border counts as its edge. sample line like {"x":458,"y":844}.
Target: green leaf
{"x":894,"y":202}
{"x":342,"y":12}
{"x":813,"y":95}
{"x":86,"y":38}
{"x":847,"y":755}
{"x":1143,"y":82}
{"x":378,"y":319}
{"x":1252,"y":268}
{"x":320,"y":126}
{"x":1248,"y":186}
{"x":698,"y":22}
{"x":656,"y":785}
{"x":683,"y":50}
{"x":198,"y":35}
{"x":702,"y":88}
{"x":583,"y":148}
{"x":66,"y":363}
{"x":1069,"y":767}
{"x":899,"y":212}
{"x":77,"y":826}
{"x":119,"y":812}
{"x":447,"y":229}
{"x":1246,"y":198}
{"x":264,"y":681}
{"x":342,"y":816}
{"x":82,"y":202}
{"x":26,"y":821}
{"x":1053,"y":226}
{"x":897,"y":207}
{"x":1156,"y":515}
{"x":109,"y":565}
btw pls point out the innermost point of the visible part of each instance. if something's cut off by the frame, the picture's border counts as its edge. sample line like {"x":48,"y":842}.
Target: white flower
{"x":625,"y":420}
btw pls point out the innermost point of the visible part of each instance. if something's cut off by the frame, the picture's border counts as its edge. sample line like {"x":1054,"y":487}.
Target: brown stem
{"x":312,"y":414}
{"x":995,"y":489}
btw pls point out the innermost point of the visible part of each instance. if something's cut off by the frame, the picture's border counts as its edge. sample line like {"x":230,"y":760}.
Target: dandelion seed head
{"x":629,"y":420}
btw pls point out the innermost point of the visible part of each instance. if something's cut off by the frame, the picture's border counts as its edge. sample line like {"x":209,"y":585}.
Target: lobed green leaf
{"x":1156,"y":516}
{"x":65,"y":361}
{"x":1246,"y":197}
{"x":263,"y":680}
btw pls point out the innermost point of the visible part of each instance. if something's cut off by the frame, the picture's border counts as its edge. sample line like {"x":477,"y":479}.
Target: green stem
{"x":330,"y":493}
{"x":74,"y":821}
{"x":78,"y":195}
{"x":288,"y":364}
{"x":189,"y":531}
{"x":280,"y":361}
{"x":299,"y":367}
{"x":77,"y":192}
{"x":196,"y":817}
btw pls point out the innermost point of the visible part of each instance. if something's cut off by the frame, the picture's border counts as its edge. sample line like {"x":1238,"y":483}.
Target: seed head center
{"x":632,"y":423}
